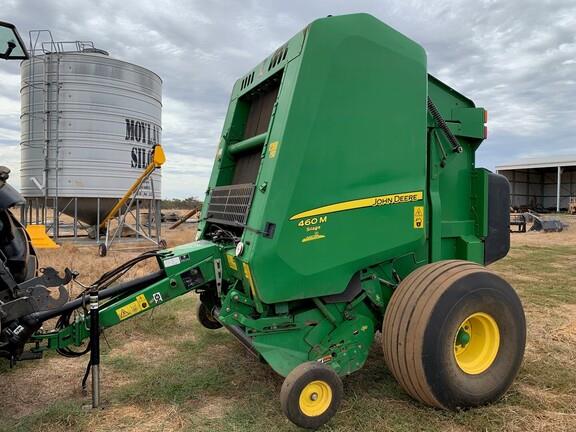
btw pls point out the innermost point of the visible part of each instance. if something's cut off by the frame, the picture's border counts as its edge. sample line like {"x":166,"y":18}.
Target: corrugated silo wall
{"x":89,"y":123}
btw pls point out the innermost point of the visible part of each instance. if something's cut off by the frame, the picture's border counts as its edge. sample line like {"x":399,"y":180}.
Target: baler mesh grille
{"x":230,"y":204}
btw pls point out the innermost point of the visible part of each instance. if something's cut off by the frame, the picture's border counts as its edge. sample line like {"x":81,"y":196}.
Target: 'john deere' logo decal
{"x":363,"y":203}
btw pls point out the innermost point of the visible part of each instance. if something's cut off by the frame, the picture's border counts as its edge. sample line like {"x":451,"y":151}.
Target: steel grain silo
{"x":89,"y":123}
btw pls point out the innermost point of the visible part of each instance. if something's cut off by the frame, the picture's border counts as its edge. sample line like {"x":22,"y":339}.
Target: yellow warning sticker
{"x":272,"y":149}
{"x":133,"y":308}
{"x":231,"y":262}
{"x":419,"y":217}
{"x":248,"y":275}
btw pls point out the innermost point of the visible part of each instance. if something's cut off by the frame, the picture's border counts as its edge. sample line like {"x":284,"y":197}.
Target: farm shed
{"x":541,"y":183}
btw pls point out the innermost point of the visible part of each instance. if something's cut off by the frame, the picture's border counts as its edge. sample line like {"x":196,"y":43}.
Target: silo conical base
{"x":81,"y":215}
{"x":88,"y":210}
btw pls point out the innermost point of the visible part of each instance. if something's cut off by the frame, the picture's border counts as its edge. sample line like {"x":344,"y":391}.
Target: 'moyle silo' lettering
{"x":138,"y":132}
{"x":129,"y":129}
{"x":141,"y":131}
{"x":134,"y":157}
{"x":145,"y":133}
{"x":137,"y":156}
{"x":140,"y":157}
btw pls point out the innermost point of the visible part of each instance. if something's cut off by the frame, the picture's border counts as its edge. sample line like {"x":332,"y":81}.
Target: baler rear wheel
{"x":311,"y":395}
{"x":205,"y":317}
{"x":454,"y":335}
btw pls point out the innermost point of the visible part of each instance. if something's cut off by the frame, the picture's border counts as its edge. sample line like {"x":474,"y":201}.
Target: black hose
{"x":111,"y":276}
{"x":456,"y":147}
{"x":33,"y":321}
{"x":133,"y":285}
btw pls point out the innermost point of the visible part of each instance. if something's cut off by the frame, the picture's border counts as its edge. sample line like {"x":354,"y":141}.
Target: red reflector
{"x":485,"y":116}
{"x":485,"y":132}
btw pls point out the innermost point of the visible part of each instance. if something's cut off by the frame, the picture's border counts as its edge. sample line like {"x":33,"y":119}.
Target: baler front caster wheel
{"x":205,"y":317}
{"x":102,"y":250}
{"x":311,"y":395}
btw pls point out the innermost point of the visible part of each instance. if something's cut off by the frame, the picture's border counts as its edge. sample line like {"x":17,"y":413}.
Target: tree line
{"x":181,"y":204}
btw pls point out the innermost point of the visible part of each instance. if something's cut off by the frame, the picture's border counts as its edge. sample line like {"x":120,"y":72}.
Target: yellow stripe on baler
{"x":375,"y":201}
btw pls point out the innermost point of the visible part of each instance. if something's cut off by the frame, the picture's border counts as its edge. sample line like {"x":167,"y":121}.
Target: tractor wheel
{"x":102,"y":250}
{"x":311,"y":395}
{"x":454,"y":335}
{"x":205,"y":317}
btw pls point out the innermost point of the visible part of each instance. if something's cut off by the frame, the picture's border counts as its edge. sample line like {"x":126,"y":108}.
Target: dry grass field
{"x":161,"y":371}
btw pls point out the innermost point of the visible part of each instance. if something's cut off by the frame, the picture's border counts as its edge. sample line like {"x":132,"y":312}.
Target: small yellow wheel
{"x":311,"y":395}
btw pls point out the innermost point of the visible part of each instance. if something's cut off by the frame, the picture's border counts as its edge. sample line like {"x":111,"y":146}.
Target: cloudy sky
{"x":517,"y":58}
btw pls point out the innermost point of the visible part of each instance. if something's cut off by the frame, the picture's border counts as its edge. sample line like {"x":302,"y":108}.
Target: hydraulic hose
{"x":132,"y":285}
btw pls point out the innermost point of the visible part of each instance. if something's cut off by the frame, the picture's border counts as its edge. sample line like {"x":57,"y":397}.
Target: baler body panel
{"x":458,"y":192}
{"x":349,"y":184}
{"x":349,"y":124}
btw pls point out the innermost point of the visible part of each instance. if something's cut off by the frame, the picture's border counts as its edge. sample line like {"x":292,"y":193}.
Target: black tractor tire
{"x":454,"y":335}
{"x":311,"y":395}
{"x":205,"y":317}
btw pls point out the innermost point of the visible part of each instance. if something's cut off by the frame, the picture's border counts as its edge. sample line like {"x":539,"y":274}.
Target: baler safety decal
{"x":273,"y":148}
{"x":231,"y":262}
{"x":376,"y":201}
{"x":418,"y":217}
{"x":133,"y":308}
{"x":248,"y":275}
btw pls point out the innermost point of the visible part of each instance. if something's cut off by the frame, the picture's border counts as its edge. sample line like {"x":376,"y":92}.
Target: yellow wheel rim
{"x":476,"y":343}
{"x":315,"y":398}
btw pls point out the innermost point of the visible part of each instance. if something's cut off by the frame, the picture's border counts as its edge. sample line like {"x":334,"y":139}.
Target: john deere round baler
{"x":344,"y":200}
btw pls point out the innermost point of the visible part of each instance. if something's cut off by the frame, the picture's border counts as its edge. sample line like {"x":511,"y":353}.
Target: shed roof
{"x":540,"y":162}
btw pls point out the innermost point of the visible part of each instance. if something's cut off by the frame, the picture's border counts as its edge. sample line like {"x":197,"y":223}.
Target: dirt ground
{"x":534,"y":238}
{"x":161,"y":371}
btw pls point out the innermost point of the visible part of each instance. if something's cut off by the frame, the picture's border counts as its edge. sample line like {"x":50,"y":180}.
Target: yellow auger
{"x":158,"y":160}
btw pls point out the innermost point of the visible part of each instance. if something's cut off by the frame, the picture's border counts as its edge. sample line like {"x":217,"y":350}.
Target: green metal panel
{"x":349,"y":124}
{"x":459,"y":224}
{"x":178,"y":263}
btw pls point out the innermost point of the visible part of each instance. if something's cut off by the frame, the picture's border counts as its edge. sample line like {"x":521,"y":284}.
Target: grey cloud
{"x":516,"y":58}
